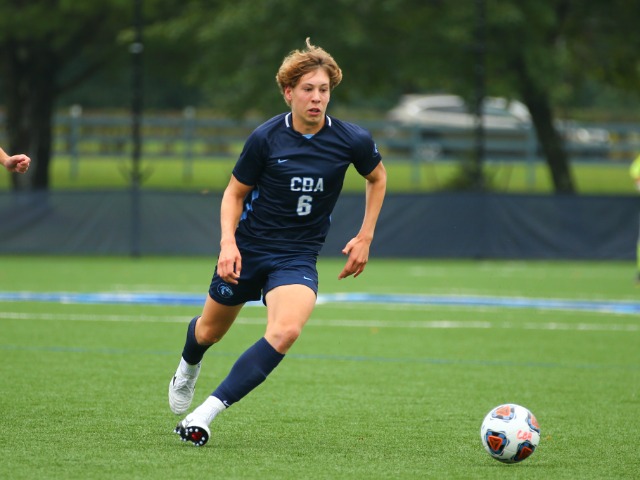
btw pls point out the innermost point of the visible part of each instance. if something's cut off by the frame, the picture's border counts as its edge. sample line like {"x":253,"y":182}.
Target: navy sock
{"x":249,"y":371}
{"x":193,"y":351}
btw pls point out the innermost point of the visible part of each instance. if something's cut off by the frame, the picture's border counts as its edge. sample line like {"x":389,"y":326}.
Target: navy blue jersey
{"x":297,"y":180}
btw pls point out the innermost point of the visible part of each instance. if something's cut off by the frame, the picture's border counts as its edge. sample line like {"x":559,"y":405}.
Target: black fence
{"x":187,"y":135}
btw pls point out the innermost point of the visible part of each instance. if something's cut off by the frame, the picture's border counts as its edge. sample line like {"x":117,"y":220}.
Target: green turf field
{"x":378,"y":389}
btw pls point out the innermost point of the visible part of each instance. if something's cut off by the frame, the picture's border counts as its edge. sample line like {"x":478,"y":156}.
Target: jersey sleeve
{"x":252,"y":160}
{"x":366,"y":154}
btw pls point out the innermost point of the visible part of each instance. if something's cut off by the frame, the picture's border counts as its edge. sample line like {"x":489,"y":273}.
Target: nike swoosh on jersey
{"x":282,"y":160}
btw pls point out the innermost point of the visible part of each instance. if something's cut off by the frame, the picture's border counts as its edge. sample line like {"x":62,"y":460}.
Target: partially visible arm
{"x":634,"y":171}
{"x":14,"y":163}
{"x":358,"y":247}
{"x":229,"y":260}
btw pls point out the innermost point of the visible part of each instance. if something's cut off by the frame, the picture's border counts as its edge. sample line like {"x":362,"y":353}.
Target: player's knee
{"x":291,"y":334}
{"x":283,"y":338}
{"x":206,"y":335}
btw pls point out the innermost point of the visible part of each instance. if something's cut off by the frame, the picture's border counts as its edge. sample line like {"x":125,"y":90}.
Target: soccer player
{"x":14,"y":163}
{"x":634,"y":171}
{"x":275,"y":215}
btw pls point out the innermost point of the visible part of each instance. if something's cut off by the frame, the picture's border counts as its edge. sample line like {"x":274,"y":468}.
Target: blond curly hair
{"x":300,"y":62}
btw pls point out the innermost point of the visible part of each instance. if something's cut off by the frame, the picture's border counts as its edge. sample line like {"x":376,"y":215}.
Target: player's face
{"x":309,"y":100}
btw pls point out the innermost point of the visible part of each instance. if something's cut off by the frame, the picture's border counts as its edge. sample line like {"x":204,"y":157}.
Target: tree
{"x":387,"y":48}
{"x":47,"y":46}
{"x":528,"y":46}
{"x":539,"y":52}
{"x":556,"y":48}
{"x":536,"y":51}
{"x":606,"y":44}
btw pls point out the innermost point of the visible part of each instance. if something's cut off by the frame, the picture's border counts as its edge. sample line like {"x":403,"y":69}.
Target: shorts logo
{"x":225,"y":290}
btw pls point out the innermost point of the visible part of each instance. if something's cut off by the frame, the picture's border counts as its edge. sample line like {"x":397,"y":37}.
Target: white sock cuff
{"x":188,"y":369}
{"x":209,"y":409}
{"x":214,"y":403}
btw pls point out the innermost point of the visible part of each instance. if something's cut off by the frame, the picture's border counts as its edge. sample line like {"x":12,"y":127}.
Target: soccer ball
{"x":510,"y":433}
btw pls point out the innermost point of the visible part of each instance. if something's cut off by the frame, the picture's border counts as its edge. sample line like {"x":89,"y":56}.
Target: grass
{"x":404,"y":176}
{"x":370,"y":391}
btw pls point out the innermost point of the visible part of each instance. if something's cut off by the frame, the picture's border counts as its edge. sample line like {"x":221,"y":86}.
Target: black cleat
{"x":192,"y":431}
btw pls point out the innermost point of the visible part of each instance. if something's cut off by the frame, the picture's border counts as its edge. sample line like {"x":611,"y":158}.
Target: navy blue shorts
{"x":263,"y":270}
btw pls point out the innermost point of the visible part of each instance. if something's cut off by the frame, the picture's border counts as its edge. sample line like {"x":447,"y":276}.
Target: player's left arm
{"x":358,"y":247}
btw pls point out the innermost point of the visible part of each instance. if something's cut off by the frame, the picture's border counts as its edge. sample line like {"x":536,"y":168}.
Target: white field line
{"x":350,"y":323}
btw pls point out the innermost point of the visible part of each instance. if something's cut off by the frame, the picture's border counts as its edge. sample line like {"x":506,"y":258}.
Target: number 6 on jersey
{"x":304,"y":205}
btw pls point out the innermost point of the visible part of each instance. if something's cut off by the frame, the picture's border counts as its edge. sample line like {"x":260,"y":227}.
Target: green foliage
{"x":230,"y":49}
{"x":240,"y":45}
{"x":66,"y":30}
{"x":393,"y":47}
{"x":223,"y":54}
{"x":370,"y":391}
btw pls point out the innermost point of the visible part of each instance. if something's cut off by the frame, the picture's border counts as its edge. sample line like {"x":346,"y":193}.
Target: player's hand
{"x":358,"y":251}
{"x":18,"y":163}
{"x":229,"y":263}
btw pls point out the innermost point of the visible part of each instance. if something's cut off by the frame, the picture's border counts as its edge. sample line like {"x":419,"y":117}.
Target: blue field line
{"x":105,"y":298}
{"x":186,"y":299}
{"x":602,"y":306}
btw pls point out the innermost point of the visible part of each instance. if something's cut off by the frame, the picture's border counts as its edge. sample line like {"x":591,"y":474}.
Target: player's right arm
{"x":229,"y":260}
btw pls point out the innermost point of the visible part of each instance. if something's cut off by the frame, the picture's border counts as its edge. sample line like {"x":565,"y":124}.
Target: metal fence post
{"x":416,"y":153}
{"x":136,"y":49}
{"x":188,"y":131}
{"x":530,"y":157}
{"x":75,"y":114}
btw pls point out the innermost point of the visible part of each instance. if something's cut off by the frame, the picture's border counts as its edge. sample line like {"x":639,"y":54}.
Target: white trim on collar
{"x":288,"y":116}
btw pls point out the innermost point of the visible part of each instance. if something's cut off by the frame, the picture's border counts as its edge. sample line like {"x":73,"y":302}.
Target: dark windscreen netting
{"x":439,"y":225}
